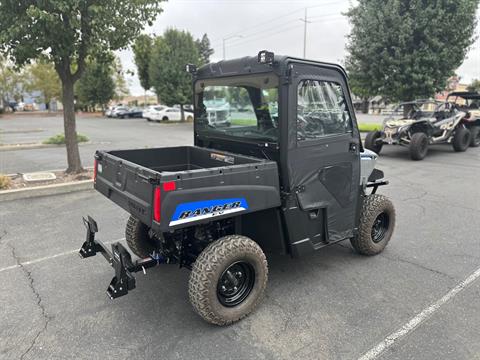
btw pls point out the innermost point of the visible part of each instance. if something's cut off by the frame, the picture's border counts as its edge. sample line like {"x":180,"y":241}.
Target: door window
{"x":321,"y":110}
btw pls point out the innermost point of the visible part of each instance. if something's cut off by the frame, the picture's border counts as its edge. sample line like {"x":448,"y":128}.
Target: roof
{"x":466,"y":94}
{"x":250,"y":64}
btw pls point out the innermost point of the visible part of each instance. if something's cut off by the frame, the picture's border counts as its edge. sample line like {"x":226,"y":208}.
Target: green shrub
{"x":5,"y":182}
{"x":60,"y":139}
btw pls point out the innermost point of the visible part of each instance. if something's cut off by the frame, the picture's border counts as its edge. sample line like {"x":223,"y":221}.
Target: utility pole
{"x":305,"y":35}
{"x":305,"y":22}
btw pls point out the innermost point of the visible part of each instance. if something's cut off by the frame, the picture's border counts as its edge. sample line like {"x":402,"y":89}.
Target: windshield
{"x":240,"y":107}
{"x":413,"y":110}
{"x":470,"y":103}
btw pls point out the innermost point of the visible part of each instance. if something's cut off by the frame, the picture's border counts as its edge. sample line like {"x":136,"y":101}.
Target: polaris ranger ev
{"x":286,"y":174}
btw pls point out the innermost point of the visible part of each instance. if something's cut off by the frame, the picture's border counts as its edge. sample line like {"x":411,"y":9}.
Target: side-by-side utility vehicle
{"x":287,"y":176}
{"x":419,"y":124}
{"x":469,"y":103}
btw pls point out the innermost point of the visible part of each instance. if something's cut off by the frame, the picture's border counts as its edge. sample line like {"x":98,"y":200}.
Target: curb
{"x":55,"y":189}
{"x":35,"y":146}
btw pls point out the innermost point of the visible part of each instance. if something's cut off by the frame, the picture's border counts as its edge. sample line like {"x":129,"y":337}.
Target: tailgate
{"x":128,"y":185}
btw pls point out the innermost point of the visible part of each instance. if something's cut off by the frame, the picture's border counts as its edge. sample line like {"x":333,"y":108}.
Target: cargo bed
{"x":176,"y":187}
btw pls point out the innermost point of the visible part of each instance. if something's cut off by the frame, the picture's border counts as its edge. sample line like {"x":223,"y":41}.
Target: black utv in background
{"x":426,"y":122}
{"x":288,"y":176}
{"x":469,"y":103}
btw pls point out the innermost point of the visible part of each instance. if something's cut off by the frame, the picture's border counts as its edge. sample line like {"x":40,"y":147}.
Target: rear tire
{"x":189,"y":118}
{"x":377,"y":222}
{"x":461,"y":139}
{"x":138,"y":239}
{"x":418,"y":146}
{"x":165,"y":118}
{"x":371,"y":141}
{"x":228,"y":279}
{"x":475,"y":136}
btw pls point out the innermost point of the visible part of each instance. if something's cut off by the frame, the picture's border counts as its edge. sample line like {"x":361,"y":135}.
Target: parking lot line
{"x":376,"y":351}
{"x":35,"y":261}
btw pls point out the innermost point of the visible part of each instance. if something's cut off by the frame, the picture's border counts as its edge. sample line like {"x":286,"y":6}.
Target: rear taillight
{"x":169,"y":186}
{"x":156,"y":204}
{"x":95,"y":164}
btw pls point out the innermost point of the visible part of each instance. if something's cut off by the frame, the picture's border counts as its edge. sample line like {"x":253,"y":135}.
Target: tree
{"x":474,"y":86}
{"x":204,"y":49}
{"x":406,"y":49}
{"x":42,"y":77}
{"x":121,"y":87}
{"x":96,"y":86}
{"x":12,"y":81}
{"x":66,"y":33}
{"x":170,"y":53}
{"x":142,"y":49}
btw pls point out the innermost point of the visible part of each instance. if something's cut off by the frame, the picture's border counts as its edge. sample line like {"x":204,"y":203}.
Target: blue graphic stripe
{"x":207,"y":204}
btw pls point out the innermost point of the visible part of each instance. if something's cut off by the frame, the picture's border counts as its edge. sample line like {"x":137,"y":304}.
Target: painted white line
{"x":418,"y":319}
{"x":35,"y":261}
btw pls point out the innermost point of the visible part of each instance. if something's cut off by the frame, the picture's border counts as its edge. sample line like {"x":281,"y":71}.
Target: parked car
{"x":110,"y":110}
{"x":171,"y":114}
{"x":151,"y":111}
{"x":186,"y":107}
{"x":468,"y":102}
{"x":420,"y":127}
{"x":216,"y":207}
{"x":129,"y":113}
{"x":119,"y":111}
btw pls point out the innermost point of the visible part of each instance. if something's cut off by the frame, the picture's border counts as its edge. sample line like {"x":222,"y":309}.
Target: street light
{"x":305,"y":21}
{"x":228,"y":38}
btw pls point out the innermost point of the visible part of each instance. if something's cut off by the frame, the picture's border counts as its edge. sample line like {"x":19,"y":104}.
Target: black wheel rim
{"x":235,"y":283}
{"x":380,"y":227}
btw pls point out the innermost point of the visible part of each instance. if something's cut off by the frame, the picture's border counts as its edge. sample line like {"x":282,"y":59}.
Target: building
{"x":453,"y":84}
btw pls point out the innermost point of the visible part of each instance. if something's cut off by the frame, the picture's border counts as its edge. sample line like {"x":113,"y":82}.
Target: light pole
{"x":228,"y":38}
{"x":305,"y":21}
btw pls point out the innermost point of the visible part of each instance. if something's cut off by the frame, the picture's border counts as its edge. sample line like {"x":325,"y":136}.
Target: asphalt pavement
{"x":103,"y":133}
{"x":333,"y":304}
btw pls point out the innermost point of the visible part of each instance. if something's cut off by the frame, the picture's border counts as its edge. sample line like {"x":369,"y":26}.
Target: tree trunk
{"x":73,"y":155}
{"x":182,"y":113}
{"x":365,"y":105}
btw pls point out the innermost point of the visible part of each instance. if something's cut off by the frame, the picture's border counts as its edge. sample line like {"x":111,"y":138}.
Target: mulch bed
{"x":62,"y":177}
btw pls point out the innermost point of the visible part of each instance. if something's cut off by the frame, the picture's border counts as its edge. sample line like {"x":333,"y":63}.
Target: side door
{"x":323,"y":158}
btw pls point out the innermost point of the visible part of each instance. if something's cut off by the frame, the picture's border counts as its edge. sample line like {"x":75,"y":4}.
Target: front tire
{"x":461,"y":139}
{"x":377,"y":222}
{"x":138,"y":238}
{"x":418,"y":146}
{"x":228,"y":279}
{"x":372,"y":143}
{"x":475,"y":136}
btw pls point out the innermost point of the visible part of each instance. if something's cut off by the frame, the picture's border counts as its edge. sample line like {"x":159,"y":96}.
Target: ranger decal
{"x":199,"y":210}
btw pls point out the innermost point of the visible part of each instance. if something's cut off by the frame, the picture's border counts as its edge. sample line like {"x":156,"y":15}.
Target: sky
{"x":249,"y":26}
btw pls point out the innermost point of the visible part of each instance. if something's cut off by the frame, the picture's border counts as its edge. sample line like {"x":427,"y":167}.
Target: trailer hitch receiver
{"x":118,"y":257}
